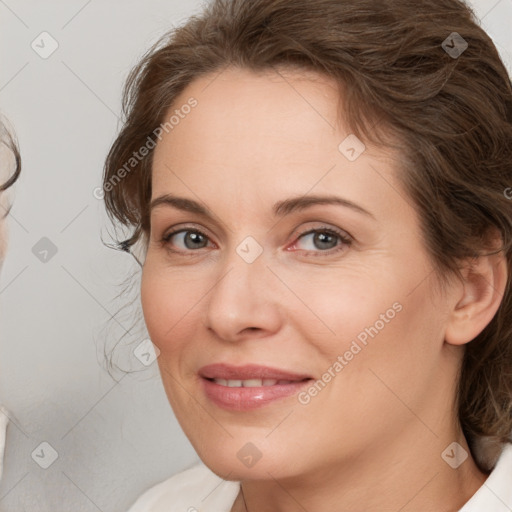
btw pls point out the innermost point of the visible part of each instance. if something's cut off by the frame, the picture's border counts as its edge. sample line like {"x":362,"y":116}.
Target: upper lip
{"x":248,"y":371}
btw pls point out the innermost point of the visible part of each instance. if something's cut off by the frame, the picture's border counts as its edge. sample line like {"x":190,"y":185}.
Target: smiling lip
{"x":243,"y":388}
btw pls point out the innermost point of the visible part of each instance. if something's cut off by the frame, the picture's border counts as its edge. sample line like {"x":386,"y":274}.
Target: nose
{"x":244,"y":301}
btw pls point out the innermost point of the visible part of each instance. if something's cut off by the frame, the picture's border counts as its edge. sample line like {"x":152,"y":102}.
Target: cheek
{"x":374,"y":320}
{"x":154,"y":303}
{"x":341,"y":305}
{"x":391,"y":351}
{"x":164,"y":304}
{"x":170,"y":302}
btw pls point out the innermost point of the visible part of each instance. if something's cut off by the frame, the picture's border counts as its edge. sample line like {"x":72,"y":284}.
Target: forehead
{"x":258,"y":111}
{"x":276,"y":133}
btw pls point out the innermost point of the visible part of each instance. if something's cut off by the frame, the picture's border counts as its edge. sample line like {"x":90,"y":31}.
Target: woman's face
{"x":319,"y":319}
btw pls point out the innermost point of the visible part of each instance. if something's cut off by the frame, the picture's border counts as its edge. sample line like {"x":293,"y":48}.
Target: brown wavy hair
{"x":450,"y":113}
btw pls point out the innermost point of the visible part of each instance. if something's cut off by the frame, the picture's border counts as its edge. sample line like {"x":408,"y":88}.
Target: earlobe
{"x":481,"y":293}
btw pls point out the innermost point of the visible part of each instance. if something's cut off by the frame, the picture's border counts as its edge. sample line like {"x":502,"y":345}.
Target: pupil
{"x":324,"y":238}
{"x":195,"y":238}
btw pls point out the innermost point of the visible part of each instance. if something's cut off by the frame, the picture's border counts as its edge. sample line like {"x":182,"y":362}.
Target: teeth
{"x":250,"y":383}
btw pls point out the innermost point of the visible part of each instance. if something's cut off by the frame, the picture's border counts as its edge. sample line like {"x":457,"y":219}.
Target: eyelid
{"x":344,"y":237}
{"x":185,"y":227}
{"x":324,"y":227}
{"x":175,"y":230}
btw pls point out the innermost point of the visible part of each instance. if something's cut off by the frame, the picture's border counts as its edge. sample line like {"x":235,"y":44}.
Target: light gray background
{"x":115,"y":435}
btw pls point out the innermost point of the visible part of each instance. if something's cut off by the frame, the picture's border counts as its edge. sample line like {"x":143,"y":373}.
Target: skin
{"x":372,"y":439}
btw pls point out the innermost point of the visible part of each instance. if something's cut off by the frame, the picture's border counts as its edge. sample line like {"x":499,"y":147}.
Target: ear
{"x":478,"y":297}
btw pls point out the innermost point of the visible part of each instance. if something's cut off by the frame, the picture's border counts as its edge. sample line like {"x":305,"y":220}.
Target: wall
{"x":114,"y":435}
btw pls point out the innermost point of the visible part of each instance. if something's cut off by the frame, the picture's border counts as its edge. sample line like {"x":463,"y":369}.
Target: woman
{"x":317,"y":192}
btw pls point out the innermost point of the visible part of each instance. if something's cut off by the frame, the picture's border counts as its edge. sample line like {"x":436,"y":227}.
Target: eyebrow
{"x":280,"y":209}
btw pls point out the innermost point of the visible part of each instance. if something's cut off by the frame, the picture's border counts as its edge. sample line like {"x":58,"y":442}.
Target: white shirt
{"x":200,"y":490}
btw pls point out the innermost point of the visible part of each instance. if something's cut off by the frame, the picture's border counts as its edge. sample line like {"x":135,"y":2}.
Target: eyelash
{"x":345,"y":240}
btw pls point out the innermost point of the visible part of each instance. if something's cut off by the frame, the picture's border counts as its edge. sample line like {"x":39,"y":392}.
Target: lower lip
{"x":247,"y":399}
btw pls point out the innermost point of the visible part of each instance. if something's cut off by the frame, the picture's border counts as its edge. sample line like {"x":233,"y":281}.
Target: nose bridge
{"x":241,"y":297}
{"x":243,"y":275}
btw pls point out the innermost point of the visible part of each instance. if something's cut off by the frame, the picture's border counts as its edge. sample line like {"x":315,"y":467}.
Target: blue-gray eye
{"x":189,"y":239}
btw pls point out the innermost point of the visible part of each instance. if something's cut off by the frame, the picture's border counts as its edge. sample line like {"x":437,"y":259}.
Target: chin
{"x":230,"y":468}
{"x":242,"y":457}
